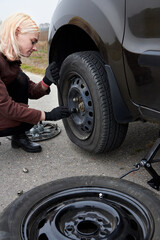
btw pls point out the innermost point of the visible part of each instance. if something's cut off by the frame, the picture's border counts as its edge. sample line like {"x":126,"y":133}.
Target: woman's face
{"x":27,"y":43}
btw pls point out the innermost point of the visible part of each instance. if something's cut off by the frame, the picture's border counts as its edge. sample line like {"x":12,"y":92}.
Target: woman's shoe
{"x":22,"y":141}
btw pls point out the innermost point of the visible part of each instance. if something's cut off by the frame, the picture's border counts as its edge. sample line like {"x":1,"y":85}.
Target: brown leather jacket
{"x":11,"y":112}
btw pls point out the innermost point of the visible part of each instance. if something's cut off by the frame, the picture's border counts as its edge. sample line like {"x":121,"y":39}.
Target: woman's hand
{"x":51,"y":74}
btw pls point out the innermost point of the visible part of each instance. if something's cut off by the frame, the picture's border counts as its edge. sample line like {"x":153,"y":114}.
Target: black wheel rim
{"x":88,"y":213}
{"x":79,"y":97}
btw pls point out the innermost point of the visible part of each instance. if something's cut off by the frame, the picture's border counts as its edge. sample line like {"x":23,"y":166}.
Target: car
{"x":108,"y":53}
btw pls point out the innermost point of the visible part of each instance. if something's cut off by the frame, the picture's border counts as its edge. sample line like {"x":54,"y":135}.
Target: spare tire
{"x":85,"y":208}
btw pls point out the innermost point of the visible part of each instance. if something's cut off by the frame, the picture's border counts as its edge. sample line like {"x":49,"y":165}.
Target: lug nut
{"x":76,"y":99}
{"x":25,"y":170}
{"x":20,"y":192}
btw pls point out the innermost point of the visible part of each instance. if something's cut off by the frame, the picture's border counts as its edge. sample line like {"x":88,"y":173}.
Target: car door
{"x":141,"y":47}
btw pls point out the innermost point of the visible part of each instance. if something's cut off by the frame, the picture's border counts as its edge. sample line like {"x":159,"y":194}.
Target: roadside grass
{"x":37,"y":62}
{"x":33,"y":69}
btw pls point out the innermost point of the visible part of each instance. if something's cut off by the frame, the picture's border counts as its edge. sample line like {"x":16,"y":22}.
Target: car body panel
{"x":87,"y":10}
{"x":142,"y":53}
{"x":82,"y":14}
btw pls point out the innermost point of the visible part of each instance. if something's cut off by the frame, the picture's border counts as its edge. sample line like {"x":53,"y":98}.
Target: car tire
{"x":84,"y":86}
{"x":85,"y":207}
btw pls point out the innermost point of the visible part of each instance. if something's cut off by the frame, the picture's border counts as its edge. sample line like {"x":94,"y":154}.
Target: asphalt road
{"x":60,"y":158}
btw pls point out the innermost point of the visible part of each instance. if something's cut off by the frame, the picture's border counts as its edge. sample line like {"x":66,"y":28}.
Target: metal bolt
{"x":143,"y":163}
{"x":20,"y":192}
{"x":100,"y":195}
{"x":81,"y":107}
{"x":25,"y":170}
{"x":76,"y":99}
{"x":148,"y":165}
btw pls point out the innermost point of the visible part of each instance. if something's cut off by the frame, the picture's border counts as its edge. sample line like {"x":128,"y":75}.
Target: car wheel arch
{"x":79,"y":36}
{"x":57,"y":53}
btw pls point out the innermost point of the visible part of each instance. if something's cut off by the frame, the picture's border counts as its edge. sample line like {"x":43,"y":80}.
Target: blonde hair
{"x":8,"y":41}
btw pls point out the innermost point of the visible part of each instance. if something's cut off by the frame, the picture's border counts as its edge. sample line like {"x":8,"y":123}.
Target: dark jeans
{"x":18,"y":90}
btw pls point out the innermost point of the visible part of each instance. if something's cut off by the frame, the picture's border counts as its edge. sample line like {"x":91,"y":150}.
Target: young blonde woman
{"x":18,"y":37}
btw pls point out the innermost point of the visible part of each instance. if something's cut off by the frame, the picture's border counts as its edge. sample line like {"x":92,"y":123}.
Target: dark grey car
{"x":108,"y":52}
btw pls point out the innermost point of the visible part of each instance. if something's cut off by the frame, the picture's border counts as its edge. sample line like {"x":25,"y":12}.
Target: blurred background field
{"x":38,"y":61}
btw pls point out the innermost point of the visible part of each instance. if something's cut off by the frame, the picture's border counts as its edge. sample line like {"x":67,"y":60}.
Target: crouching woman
{"x":19,"y":35}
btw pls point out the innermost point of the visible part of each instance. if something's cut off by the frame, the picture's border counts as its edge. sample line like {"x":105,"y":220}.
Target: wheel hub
{"x":86,"y":220}
{"x":79,"y":97}
{"x":87,"y":228}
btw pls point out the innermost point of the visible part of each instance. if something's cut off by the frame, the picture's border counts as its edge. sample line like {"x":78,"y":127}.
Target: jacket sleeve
{"x":16,"y":111}
{"x":36,"y":91}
